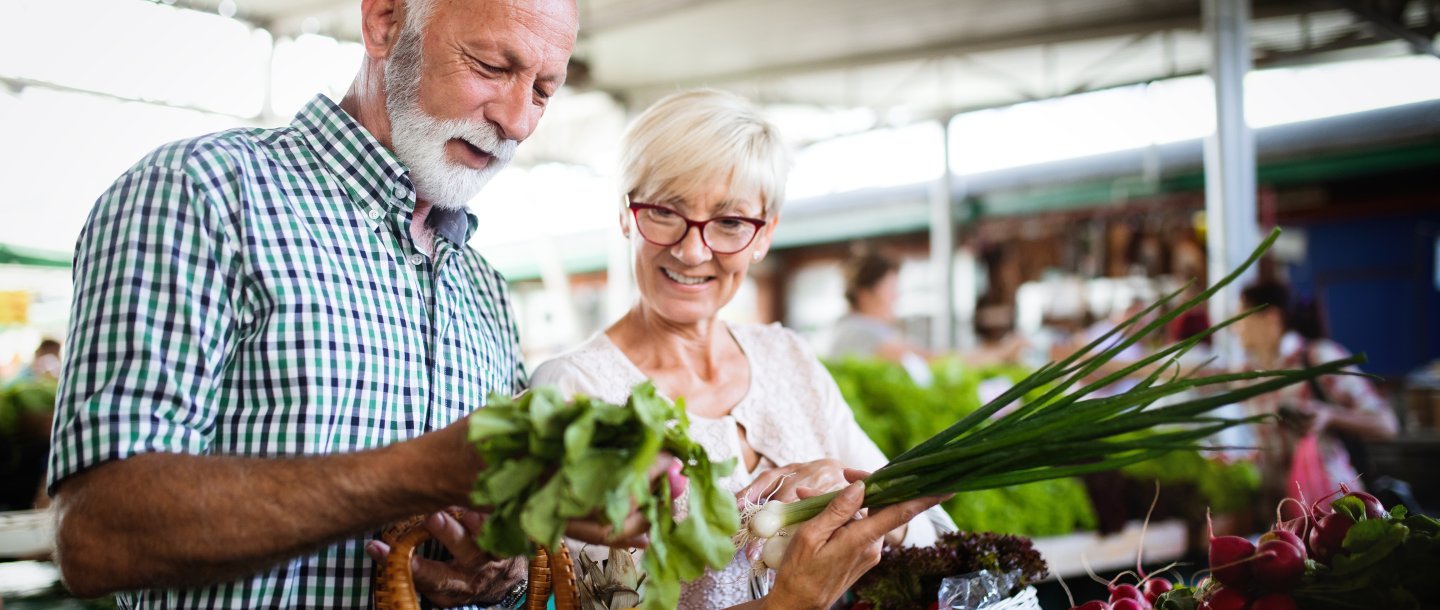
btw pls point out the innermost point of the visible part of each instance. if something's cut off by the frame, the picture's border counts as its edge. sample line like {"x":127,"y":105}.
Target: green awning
{"x":31,"y":257}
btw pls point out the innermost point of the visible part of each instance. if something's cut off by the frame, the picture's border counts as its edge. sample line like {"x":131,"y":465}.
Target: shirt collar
{"x":454,"y":225}
{"x":370,"y":171}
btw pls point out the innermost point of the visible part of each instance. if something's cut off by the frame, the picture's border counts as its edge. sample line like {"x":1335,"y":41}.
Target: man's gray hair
{"x":691,"y":141}
{"x":402,"y":70}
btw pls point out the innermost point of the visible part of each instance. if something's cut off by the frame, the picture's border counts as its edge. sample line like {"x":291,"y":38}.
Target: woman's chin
{"x":681,"y":312}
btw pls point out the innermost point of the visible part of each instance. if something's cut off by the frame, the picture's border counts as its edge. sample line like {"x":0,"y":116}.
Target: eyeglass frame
{"x":636,"y":206}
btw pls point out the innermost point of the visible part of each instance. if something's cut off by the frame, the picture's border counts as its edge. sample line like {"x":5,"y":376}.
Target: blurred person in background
{"x":27,"y":404}
{"x":703,"y":178}
{"x":45,"y":366}
{"x":1336,"y":410}
{"x":870,"y":329}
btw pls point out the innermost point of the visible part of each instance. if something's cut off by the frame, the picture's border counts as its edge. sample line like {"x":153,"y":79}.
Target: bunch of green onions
{"x":1062,"y":433}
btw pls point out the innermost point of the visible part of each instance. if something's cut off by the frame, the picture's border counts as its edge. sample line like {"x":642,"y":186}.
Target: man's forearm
{"x":162,"y":520}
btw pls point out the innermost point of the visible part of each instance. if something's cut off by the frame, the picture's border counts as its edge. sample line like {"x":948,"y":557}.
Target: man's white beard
{"x":419,"y":140}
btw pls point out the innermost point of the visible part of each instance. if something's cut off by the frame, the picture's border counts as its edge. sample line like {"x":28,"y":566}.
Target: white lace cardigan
{"x":792,"y":413}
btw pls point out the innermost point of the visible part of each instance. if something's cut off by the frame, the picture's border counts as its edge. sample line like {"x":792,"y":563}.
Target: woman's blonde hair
{"x":692,"y":140}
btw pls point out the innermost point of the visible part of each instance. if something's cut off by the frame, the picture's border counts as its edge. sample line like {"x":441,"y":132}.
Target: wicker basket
{"x":395,"y":584}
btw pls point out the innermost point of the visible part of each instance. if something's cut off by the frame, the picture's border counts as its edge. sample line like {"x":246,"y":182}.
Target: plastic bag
{"x":1309,"y":479}
{"x":976,"y":590}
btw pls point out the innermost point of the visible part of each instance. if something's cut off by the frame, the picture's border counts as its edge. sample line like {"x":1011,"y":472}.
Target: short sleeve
{"x":150,"y":325}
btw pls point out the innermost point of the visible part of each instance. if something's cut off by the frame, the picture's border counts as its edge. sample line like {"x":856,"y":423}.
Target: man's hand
{"x":472,"y":576}
{"x":781,"y":483}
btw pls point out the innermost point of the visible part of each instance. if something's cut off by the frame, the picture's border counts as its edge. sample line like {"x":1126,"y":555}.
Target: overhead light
{"x":227,"y":8}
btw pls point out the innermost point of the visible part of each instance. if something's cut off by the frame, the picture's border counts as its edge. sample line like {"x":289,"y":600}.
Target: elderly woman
{"x":703,"y":180}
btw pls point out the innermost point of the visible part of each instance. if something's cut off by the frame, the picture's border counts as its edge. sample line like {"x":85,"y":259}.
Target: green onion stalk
{"x":1066,"y":432}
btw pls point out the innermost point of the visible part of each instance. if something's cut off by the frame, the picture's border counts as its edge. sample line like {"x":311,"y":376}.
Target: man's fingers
{"x":450,"y":533}
{"x":434,"y":578}
{"x":885,"y":519}
{"x":631,"y":532}
{"x":377,"y":550}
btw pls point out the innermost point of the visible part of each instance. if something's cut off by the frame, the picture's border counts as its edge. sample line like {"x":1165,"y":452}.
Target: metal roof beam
{"x":1392,"y":26}
{"x":1167,"y":18}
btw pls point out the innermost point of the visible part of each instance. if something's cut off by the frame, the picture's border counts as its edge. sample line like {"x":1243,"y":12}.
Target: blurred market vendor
{"x":869,"y":329}
{"x":277,"y":333}
{"x":702,"y":183}
{"x":1333,"y":410}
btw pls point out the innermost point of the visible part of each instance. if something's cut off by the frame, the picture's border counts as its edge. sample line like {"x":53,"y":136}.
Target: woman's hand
{"x":828,"y":553}
{"x":780,"y":484}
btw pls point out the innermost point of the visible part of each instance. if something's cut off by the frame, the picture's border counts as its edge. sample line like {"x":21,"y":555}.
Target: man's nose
{"x":513,"y":111}
{"x":692,"y":249}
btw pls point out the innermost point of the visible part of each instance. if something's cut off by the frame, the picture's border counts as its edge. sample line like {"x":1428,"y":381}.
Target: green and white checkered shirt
{"x":256,"y":292}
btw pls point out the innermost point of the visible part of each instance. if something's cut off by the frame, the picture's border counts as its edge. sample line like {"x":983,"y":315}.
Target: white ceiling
{"x":914,"y":57}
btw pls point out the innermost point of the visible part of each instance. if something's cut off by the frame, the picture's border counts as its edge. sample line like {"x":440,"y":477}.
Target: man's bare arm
{"x":173,"y":520}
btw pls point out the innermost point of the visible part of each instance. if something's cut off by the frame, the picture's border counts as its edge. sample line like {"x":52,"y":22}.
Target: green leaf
{"x":1350,"y":506}
{"x":511,"y":478}
{"x":540,"y":519}
{"x":1369,"y":542}
{"x":487,"y":423}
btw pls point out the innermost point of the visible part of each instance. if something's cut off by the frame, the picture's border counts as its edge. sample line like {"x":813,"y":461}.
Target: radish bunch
{"x":1248,"y":576}
{"x":1130,"y":597}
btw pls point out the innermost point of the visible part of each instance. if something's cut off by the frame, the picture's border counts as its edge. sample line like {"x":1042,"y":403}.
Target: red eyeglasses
{"x":665,"y":227}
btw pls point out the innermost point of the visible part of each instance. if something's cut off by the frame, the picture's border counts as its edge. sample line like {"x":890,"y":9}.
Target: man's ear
{"x":380,"y":24}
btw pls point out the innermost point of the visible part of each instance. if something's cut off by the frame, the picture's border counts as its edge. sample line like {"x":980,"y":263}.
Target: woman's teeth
{"x":688,"y":281}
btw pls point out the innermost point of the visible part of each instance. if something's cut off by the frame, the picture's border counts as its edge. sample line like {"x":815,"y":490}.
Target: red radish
{"x":1229,"y":557}
{"x":1285,"y":536}
{"x":1129,"y":604}
{"x":1093,"y":605}
{"x":1373,"y":508}
{"x":1226,"y":599}
{"x":1230,"y":560}
{"x":1274,"y":601}
{"x":1328,"y":535}
{"x":1119,"y":592}
{"x":1278,"y":565}
{"x":1155,"y":587}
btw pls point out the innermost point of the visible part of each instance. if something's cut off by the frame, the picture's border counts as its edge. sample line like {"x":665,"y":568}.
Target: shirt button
{"x":401,"y":192}
{"x":416,"y":259}
{"x":374,"y":214}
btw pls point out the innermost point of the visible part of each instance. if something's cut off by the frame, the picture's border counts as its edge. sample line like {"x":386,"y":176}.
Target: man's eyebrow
{"x":514,"y":62}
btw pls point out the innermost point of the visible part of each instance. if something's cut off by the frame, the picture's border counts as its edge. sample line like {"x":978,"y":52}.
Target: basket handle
{"x":395,"y":584}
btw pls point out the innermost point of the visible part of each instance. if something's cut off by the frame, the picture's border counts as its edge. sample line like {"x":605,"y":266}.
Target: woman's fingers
{"x":881,"y":521}
{"x":763,"y":485}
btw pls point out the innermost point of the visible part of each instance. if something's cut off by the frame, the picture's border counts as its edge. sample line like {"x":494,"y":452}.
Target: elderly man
{"x":277,"y":333}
